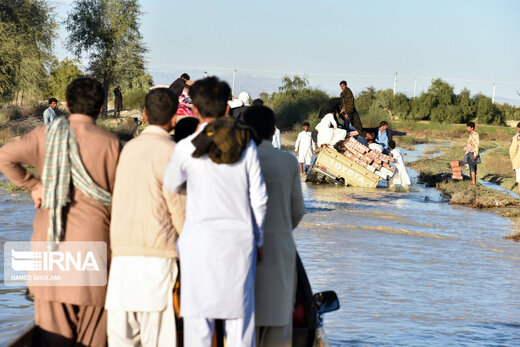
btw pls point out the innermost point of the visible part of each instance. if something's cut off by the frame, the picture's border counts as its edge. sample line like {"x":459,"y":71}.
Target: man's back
{"x":141,"y":223}
{"x":285,"y":208}
{"x":86,"y":219}
{"x":217,"y":245}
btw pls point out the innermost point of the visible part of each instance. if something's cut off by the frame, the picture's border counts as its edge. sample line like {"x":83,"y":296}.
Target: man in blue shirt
{"x":384,"y":134}
{"x":49,"y":115}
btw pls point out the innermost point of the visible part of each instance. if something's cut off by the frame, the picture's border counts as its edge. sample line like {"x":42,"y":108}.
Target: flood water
{"x":409,"y":269}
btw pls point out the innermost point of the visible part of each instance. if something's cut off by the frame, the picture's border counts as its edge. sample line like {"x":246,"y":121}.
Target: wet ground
{"x":409,"y":269}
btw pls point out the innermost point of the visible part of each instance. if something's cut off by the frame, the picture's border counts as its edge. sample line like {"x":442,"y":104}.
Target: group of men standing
{"x":222,"y":200}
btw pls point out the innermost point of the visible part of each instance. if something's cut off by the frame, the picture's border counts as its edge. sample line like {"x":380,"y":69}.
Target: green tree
{"x":107,"y":31}
{"x":467,"y":107}
{"x":365,"y":99}
{"x":401,"y":106}
{"x":295,"y":102}
{"x":27,"y":31}
{"x":422,"y":106}
{"x":380,"y":108}
{"x":61,"y":75}
{"x":487,"y":112}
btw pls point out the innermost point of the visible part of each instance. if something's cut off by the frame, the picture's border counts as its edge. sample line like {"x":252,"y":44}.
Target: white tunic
{"x":401,"y":175}
{"x":225,"y":203}
{"x":328,"y":132}
{"x":277,"y":139}
{"x":304,"y":147}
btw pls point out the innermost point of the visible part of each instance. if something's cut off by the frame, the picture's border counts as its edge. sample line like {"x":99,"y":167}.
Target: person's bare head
{"x":518,"y":127}
{"x":470,"y":127}
{"x":53,"y":103}
{"x":383,"y":125}
{"x":210,"y":97}
{"x":343,"y":85}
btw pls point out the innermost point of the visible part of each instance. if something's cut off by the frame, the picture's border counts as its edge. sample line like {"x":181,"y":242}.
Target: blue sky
{"x":468,"y":43}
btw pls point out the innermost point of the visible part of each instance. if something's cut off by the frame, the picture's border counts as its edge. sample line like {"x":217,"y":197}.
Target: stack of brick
{"x":373,"y":161}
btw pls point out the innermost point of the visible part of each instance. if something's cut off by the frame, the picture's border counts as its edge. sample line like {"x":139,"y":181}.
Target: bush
{"x":134,"y":98}
{"x":294,"y":102}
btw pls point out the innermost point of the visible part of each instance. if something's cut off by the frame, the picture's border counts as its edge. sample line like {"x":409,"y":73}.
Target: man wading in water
{"x":225,"y":210}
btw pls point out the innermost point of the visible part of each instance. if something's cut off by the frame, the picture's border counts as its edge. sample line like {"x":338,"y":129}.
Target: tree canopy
{"x":107,"y":33}
{"x":27,"y":32}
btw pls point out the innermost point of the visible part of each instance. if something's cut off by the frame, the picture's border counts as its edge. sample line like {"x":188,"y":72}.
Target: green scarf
{"x":63,"y":161}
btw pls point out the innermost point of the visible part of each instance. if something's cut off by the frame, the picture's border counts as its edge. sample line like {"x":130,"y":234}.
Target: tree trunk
{"x":105,"y":103}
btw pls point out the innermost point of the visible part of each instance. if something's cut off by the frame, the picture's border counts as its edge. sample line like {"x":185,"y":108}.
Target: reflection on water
{"x":410,"y":269}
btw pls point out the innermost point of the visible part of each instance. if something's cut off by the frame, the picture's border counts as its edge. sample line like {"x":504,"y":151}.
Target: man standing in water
{"x":471,"y":157}
{"x":348,"y":108}
{"x":275,"y":284}
{"x":514,"y":154}
{"x":225,"y":209}
{"x":75,"y":209}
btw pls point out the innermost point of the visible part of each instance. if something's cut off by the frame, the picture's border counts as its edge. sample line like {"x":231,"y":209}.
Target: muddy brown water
{"x":409,"y":269}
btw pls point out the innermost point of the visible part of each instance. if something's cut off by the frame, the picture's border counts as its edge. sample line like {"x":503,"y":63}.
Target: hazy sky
{"x":468,"y":43}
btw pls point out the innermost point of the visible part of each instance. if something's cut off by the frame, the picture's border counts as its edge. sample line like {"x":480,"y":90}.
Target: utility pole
{"x":234,"y":78}
{"x":205,"y":74}
{"x":395,"y":81}
{"x":414,"y":86}
{"x":493,"y":98}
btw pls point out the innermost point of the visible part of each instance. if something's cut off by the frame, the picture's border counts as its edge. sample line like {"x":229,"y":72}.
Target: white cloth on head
{"x":401,"y":175}
{"x":225,"y":211}
{"x":328,"y":132}
{"x":235,"y":103}
{"x":305,"y":146}
{"x":244,"y":97}
{"x":376,"y":147}
{"x":140,"y":301}
{"x":277,"y":139}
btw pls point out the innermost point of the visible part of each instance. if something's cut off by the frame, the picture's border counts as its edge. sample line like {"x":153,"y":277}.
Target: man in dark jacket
{"x":384,"y":134}
{"x":178,"y":85}
{"x":348,"y":108}
{"x":118,"y":101}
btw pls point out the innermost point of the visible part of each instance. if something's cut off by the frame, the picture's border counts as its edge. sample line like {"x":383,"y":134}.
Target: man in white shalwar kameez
{"x":222,"y":234}
{"x":304,"y":147}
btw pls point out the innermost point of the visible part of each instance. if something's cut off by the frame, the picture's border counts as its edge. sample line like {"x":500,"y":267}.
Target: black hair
{"x":471,"y":124}
{"x":391,"y":144}
{"x":343,"y":82}
{"x":326,"y":110}
{"x":383,"y":123}
{"x":185,"y":76}
{"x":210,"y":96}
{"x":51,"y":100}
{"x":185,"y":127}
{"x":257,"y":102}
{"x":306,"y":124}
{"x":85,"y":95}
{"x":518,"y":125}
{"x":160,"y":106}
{"x":261,"y":119}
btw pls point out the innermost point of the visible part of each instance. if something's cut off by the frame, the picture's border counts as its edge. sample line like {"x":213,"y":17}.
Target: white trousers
{"x":148,"y":329}
{"x":198,"y":332}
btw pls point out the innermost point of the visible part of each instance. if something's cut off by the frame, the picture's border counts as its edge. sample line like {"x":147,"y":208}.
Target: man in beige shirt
{"x":275,"y":283}
{"x":69,"y":315}
{"x":146,"y":219}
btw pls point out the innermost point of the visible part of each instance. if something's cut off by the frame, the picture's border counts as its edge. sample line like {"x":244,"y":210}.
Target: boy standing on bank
{"x":304,"y":147}
{"x":471,"y":156}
